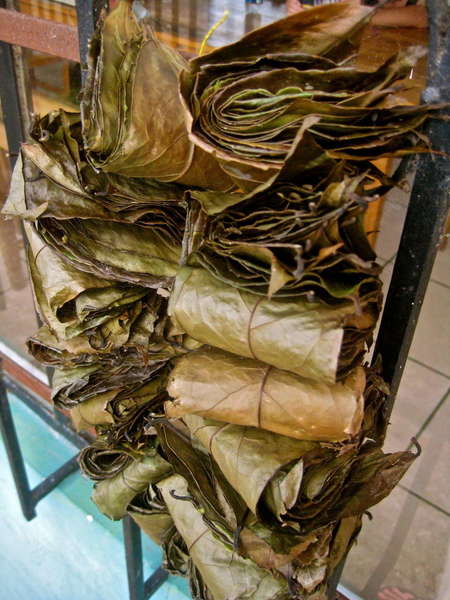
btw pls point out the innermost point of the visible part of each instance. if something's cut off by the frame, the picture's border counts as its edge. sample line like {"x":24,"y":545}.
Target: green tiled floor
{"x":69,"y":551}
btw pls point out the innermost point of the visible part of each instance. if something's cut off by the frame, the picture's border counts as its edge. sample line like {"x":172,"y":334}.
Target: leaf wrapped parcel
{"x":133,"y":121}
{"x":113,"y":495}
{"x":278,"y":92}
{"x":310,"y":339}
{"x":293,"y":239}
{"x":120,"y":406}
{"x":83,"y":230}
{"x":88,"y":318}
{"x":72,"y":385}
{"x":255,"y":462}
{"x":150,"y":512}
{"x":58,"y":153}
{"x":73,"y":303}
{"x":305,"y":485}
{"x":226,"y":574}
{"x":225,"y":387}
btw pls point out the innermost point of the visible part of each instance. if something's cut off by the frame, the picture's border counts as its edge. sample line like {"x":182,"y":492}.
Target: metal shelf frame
{"x":138,"y":587}
{"x":422,"y":234}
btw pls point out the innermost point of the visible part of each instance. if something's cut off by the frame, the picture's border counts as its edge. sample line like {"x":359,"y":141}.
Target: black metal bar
{"x":88,"y":12}
{"x":52,"y":481}
{"x":9,"y":96}
{"x":425,"y":219}
{"x":139,"y":589}
{"x":45,"y":412}
{"x":28,"y":498}
{"x":14,"y":454}
{"x":154,"y":582}
{"x":423,"y":228}
{"x":133,"y":555}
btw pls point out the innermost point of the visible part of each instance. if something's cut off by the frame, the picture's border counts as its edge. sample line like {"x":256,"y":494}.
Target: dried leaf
{"x":225,"y":387}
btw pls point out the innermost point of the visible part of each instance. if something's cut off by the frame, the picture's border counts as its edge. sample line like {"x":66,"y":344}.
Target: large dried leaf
{"x":59,"y":183}
{"x":250,"y":458}
{"x":133,"y":120}
{"x":247,"y":102}
{"x":98,"y":461}
{"x":73,"y":385}
{"x":122,"y":252}
{"x":320,"y":32}
{"x":120,"y":407}
{"x":348,"y":485}
{"x":225,"y":387}
{"x":227,"y":575}
{"x":150,"y":512}
{"x":98,"y":242}
{"x":373,"y":477}
{"x":112,"y":496}
{"x":292,"y":240}
{"x":74,"y":303}
{"x":175,"y":554}
{"x":148,"y":342}
{"x":155,"y":524}
{"x":197,"y":470}
{"x":93,"y":412}
{"x":310,"y":339}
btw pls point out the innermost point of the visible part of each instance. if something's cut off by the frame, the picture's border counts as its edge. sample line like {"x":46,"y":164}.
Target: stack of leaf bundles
{"x":208,"y":294}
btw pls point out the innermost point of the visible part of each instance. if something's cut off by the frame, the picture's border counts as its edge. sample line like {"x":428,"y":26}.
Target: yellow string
{"x":222,"y":20}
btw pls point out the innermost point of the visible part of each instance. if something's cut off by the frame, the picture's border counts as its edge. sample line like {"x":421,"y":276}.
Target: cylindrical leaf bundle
{"x":310,"y":339}
{"x":225,"y":387}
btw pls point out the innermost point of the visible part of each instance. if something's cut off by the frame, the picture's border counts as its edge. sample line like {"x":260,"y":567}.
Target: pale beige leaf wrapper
{"x":304,"y":337}
{"x":227,"y":575}
{"x":225,"y":387}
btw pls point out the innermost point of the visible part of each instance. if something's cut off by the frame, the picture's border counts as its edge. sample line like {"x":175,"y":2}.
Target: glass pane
{"x":61,"y":12}
{"x":53,"y":83}
{"x":17,"y":313}
{"x":184,"y":24}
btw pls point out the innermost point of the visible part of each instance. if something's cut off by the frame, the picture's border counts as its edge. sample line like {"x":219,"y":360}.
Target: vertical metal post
{"x":88,"y":12}
{"x":14,"y":454}
{"x":28,"y":497}
{"x":133,"y":554}
{"x":138,"y":588}
{"x":9,"y":100}
{"x":425,"y":219}
{"x":423,"y":228}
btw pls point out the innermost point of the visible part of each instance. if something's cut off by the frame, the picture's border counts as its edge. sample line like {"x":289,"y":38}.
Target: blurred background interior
{"x":405,"y":546}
